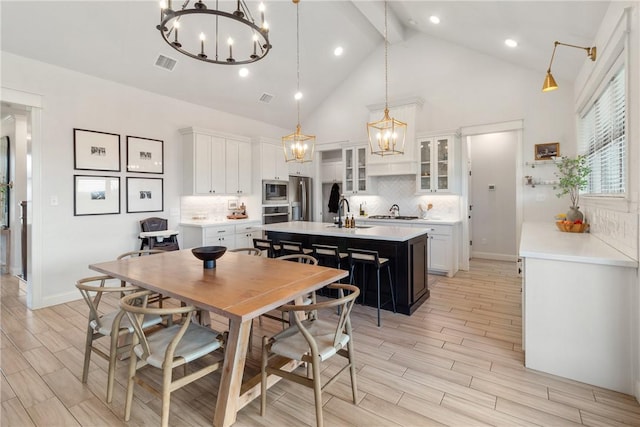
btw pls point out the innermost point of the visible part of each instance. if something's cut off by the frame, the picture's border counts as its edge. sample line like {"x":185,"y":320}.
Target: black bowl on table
{"x":209,"y":254}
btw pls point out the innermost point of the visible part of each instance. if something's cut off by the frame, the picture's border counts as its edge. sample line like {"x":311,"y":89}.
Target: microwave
{"x":275,"y":192}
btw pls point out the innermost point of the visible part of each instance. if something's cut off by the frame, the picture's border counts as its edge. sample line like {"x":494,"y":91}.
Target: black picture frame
{"x":96,"y":195}
{"x":145,"y":155}
{"x":145,"y":194}
{"x":96,"y":151}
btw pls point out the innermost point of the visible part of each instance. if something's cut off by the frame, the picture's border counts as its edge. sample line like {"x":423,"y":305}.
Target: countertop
{"x":375,"y":232}
{"x":410,"y":221}
{"x":543,"y":240}
{"x":213,"y":223}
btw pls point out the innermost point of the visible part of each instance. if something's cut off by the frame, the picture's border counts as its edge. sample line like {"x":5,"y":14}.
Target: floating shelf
{"x":542,"y":163}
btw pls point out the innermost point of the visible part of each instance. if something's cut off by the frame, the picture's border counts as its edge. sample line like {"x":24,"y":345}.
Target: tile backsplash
{"x":401,"y":190}
{"x":212,"y":208}
{"x":618,"y":229}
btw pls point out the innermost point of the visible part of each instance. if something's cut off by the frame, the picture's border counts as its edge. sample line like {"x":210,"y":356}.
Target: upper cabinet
{"x":274,"y":165}
{"x":213,"y":163}
{"x":238,"y":167}
{"x":356,"y":178}
{"x":437,"y":161}
{"x":332,"y":172}
{"x":300,"y":169}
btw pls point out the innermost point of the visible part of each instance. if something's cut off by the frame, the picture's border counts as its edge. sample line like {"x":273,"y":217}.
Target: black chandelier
{"x":198,"y":25}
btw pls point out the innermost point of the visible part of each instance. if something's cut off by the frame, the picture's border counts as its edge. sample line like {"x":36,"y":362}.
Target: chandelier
{"x":197,"y":32}
{"x":386,"y":136}
{"x":297,"y":146}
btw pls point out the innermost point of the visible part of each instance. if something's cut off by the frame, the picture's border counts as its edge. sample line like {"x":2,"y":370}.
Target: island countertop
{"x":375,"y":232}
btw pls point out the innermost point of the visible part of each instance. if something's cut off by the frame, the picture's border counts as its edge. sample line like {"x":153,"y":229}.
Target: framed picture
{"x":97,"y":151}
{"x":547,"y":151}
{"x":96,"y":195}
{"x":145,"y":155}
{"x":144,"y":195}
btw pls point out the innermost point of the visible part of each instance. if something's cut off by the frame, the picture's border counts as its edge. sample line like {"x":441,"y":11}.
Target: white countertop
{"x":409,"y":221}
{"x":376,"y":232}
{"x":213,"y":223}
{"x":543,"y":240}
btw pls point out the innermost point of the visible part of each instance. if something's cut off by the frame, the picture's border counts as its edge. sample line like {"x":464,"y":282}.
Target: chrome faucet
{"x":394,"y":210}
{"x":340,"y":207}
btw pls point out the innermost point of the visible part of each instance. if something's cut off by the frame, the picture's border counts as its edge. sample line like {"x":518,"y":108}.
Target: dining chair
{"x":247,"y":251}
{"x":313,"y":340}
{"x":144,"y":252}
{"x":111,"y":324}
{"x":168,"y":348}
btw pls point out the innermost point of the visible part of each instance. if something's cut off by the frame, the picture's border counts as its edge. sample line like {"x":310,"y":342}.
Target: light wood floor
{"x":456,"y":361}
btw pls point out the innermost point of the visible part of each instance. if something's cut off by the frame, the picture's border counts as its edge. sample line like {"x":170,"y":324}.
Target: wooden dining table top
{"x":240,"y":287}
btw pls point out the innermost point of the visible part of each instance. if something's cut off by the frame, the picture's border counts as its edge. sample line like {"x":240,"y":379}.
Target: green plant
{"x":573,"y":173}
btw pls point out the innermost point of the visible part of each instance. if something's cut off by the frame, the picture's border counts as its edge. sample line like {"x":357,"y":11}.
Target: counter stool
{"x":272,"y":249}
{"x":366,"y":257}
{"x":288,"y":247}
{"x":329,"y":256}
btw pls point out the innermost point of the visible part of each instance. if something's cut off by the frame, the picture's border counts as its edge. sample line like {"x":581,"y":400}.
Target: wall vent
{"x":166,"y":63}
{"x":266,"y":98}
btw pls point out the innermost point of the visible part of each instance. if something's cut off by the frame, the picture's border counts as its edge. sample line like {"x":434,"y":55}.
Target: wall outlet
{"x":54,"y":201}
{"x":540,"y":197}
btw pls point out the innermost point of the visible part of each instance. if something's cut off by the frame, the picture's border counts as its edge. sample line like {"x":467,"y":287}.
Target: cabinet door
{"x":349,"y":172}
{"x":209,"y":165}
{"x":232,"y":156}
{"x":355,"y":170}
{"x":282,"y":168}
{"x":425,"y":164}
{"x":362,"y":169}
{"x":440,"y":253}
{"x":441,"y":165}
{"x":274,"y":165}
{"x":244,"y":168}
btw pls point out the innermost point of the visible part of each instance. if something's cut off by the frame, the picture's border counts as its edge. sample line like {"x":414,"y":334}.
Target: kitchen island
{"x":405,"y":247}
{"x":580,"y":308}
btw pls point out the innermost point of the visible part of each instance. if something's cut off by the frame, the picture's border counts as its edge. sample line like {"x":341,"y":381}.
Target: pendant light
{"x":386,"y":136}
{"x":297,"y":146}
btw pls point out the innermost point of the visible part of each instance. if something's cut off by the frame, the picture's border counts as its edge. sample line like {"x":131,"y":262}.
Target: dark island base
{"x":408,"y":267}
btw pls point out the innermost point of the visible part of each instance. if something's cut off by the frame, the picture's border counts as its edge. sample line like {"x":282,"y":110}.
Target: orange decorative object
{"x":571,"y":227}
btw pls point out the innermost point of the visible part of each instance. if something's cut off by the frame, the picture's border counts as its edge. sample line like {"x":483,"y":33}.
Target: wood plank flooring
{"x":457,"y":361}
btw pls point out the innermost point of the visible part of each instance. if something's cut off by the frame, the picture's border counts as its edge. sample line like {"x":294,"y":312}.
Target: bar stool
{"x":288,"y":247}
{"x":366,"y":257}
{"x":272,"y":249}
{"x":329,"y":256}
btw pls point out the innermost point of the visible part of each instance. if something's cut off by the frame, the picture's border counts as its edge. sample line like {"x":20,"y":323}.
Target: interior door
{"x":5,"y":182}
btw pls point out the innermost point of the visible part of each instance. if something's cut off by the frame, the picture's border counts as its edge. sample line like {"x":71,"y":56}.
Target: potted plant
{"x":572,"y":174}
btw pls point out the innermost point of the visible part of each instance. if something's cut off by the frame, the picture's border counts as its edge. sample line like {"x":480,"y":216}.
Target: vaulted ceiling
{"x":117,"y":40}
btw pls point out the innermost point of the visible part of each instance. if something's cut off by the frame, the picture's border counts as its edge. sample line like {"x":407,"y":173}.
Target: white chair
{"x":110,"y":324}
{"x":167,"y":349}
{"x":313,"y":340}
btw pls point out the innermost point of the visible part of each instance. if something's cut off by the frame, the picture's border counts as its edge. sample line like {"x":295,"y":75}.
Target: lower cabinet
{"x":443,"y":249}
{"x":230,"y":235}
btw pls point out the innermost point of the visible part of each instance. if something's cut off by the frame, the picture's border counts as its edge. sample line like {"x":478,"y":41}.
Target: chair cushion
{"x":106,"y":322}
{"x":292,"y":344}
{"x":196,"y":342}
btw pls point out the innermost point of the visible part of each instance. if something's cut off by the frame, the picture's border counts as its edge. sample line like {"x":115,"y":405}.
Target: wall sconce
{"x":549,"y":82}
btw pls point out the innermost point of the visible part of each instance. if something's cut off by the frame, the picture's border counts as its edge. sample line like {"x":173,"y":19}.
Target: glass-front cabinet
{"x":436,"y":160}
{"x":355,"y":170}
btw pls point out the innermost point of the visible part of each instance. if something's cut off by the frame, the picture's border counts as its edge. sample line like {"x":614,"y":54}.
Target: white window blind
{"x":603,"y":140}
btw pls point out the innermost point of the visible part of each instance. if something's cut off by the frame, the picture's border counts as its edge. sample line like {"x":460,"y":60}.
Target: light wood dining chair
{"x":157,"y":298}
{"x":313,"y":340}
{"x":247,"y":251}
{"x":167,"y":349}
{"x":110,"y":324}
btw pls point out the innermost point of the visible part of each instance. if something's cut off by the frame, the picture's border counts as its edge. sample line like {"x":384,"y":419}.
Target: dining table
{"x":240,"y":288}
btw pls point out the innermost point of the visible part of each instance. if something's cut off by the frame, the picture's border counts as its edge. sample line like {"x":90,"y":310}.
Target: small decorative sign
{"x":547,"y":151}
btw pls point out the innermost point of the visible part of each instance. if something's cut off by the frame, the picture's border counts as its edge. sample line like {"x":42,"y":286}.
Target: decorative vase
{"x":574,"y":214}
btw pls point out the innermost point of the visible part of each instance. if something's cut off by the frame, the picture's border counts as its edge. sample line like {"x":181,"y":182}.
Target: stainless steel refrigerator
{"x":300,"y":198}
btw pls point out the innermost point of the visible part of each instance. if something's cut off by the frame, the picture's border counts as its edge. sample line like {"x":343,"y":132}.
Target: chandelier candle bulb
{"x":230,"y":58}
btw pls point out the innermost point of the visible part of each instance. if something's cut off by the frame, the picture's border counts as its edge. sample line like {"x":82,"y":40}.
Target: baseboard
{"x":494,"y":256}
{"x":59,"y":299}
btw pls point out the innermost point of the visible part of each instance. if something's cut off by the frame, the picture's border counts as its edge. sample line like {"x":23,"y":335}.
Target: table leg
{"x":235,"y":355}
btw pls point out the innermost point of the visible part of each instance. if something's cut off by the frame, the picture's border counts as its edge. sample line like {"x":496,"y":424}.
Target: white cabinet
{"x":214,"y":163}
{"x":332,"y":172}
{"x":230,"y":235}
{"x":238,"y":167}
{"x":274,"y":165}
{"x":443,"y":249}
{"x":300,"y":169}
{"x":436,"y":164}
{"x":356,"y":180}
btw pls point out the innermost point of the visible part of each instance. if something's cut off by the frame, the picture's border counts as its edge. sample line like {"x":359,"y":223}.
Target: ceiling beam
{"x":374,"y":12}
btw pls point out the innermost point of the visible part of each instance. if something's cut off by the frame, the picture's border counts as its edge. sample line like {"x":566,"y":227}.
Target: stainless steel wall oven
{"x":274,"y":214}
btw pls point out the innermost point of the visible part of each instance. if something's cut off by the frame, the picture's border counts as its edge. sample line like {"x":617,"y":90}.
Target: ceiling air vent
{"x":266,"y":98}
{"x":166,"y":63}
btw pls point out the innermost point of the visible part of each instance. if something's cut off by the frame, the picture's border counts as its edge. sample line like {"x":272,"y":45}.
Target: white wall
{"x":461,"y":88}
{"x":494,"y":211}
{"x":74,"y":100}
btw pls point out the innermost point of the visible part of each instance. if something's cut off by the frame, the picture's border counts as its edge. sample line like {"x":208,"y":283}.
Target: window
{"x":603,"y":138}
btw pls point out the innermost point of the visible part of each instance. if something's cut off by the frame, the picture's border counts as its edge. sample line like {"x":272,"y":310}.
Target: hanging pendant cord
{"x":386,"y":72}
{"x":298,"y":56}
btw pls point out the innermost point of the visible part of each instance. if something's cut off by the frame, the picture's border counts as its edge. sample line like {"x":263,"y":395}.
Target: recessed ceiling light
{"x":243,"y":72}
{"x":338,"y":51}
{"x":511,"y":43}
{"x":298,"y":96}
{"x":412,"y":22}
{"x":434,"y":19}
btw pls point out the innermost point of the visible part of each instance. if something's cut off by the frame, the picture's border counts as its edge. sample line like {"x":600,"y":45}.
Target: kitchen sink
{"x":357,"y":226}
